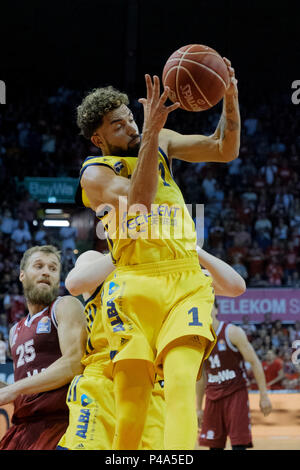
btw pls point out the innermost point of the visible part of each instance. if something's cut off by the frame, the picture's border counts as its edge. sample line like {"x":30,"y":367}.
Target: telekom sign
{"x":284,"y":304}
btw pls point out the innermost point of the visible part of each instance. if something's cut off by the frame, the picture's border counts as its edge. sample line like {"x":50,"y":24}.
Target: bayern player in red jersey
{"x":226,"y":411}
{"x":46,"y":347}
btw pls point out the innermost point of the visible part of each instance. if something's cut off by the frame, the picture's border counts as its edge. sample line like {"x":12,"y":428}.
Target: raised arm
{"x":144,"y":180}
{"x":72,"y":341}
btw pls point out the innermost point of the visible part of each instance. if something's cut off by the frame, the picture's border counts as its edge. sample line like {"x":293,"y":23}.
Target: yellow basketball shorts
{"x":147,"y":308}
{"x":91,"y":405}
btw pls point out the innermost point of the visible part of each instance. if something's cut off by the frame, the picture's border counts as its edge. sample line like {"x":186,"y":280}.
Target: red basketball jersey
{"x":225,"y":368}
{"x":34,"y":347}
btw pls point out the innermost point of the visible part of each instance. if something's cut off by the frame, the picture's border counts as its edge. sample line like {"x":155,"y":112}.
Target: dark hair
{"x":95,"y":105}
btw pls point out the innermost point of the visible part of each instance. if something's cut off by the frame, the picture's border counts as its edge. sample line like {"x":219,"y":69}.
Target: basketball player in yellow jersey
{"x":91,"y":397}
{"x":153,"y":273}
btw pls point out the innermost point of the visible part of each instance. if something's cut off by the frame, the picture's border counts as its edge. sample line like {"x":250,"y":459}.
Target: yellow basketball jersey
{"x":166,"y":233}
{"x":97,"y":349}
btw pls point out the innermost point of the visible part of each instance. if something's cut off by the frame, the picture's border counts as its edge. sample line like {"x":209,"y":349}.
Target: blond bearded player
{"x":46,"y":347}
{"x":153,"y":273}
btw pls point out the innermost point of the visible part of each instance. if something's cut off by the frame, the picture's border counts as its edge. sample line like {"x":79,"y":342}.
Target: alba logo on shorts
{"x":85,"y":400}
{"x":113,"y":287}
{"x":83,"y":423}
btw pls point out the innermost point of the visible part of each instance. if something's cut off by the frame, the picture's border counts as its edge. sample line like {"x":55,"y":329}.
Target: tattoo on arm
{"x":226,"y":122}
{"x":232,"y":125}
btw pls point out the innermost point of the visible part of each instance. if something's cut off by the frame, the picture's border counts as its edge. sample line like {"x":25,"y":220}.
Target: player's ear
{"x":21,"y":276}
{"x":96,"y":140}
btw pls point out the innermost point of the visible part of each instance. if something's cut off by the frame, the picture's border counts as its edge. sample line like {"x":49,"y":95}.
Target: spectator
{"x":8,"y":223}
{"x":209,"y":184}
{"x":239,"y":267}
{"x":278,"y":209}
{"x":269,"y":171}
{"x":251,"y":124}
{"x":245,"y":213}
{"x":263,"y":224}
{"x":216,"y":233}
{"x":287,"y":198}
{"x":258,"y":281}
{"x":278,"y":146}
{"x":41,"y":236}
{"x":23,"y":136}
{"x":277,"y":339}
{"x":291,"y":371}
{"x":48,"y":143}
{"x":278,"y":326}
{"x":242,"y":236}
{"x":68,"y":260}
{"x":27,"y":208}
{"x":267,"y":323}
{"x":295,"y":214}
{"x":21,"y":236}
{"x":274,"y":272}
{"x":285,"y":172}
{"x":258,"y":346}
{"x":216,"y":200}
{"x":248,"y":171}
{"x":281,"y":231}
{"x":294,"y":332}
{"x":255,"y":259}
{"x":290,"y":259}
{"x":249,"y":328}
{"x":263,"y":203}
{"x":234,"y":170}
{"x":273,"y":369}
{"x":263,"y":239}
{"x":68,"y":236}
{"x":227,"y":211}
{"x":274,"y":249}
{"x":292,"y":379}
{"x":14,"y":304}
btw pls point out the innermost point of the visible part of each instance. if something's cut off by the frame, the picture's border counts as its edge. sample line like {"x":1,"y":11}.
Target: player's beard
{"x":131,"y":151}
{"x":36,"y":294}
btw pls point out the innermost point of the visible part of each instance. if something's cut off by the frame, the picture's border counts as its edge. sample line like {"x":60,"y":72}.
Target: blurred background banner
{"x":283,"y":304}
{"x":55,"y":190}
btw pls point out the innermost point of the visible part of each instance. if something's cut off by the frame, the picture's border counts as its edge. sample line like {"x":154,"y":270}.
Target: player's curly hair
{"x":95,"y":105}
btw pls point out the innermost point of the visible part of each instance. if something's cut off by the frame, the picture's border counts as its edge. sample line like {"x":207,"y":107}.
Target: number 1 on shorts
{"x":195,"y":322}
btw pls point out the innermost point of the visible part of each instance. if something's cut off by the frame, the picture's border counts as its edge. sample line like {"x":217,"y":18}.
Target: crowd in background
{"x":252,"y":204}
{"x":275,"y":344}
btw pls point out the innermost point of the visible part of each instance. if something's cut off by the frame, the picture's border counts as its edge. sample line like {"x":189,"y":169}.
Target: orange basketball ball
{"x":197,"y":76}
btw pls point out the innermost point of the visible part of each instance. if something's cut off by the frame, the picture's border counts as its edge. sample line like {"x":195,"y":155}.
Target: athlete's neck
{"x":35,"y":308}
